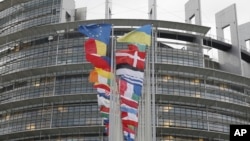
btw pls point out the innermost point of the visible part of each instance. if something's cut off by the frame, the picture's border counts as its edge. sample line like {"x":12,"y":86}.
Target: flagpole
{"x":114,"y":116}
{"x":154,"y":38}
{"x":148,"y":132}
{"x":118,"y":125}
{"x":111,"y":112}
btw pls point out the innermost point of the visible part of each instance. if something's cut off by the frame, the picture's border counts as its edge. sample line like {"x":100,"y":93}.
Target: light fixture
{"x":167,"y":108}
{"x":31,"y":126}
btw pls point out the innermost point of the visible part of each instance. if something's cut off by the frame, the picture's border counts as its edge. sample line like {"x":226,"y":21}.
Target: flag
{"x":104,"y":113}
{"x":125,"y":69}
{"x":136,"y":46}
{"x":131,"y":57}
{"x":132,"y":91}
{"x":99,"y":32}
{"x":102,"y":101}
{"x":94,"y":77}
{"x":129,"y":102}
{"x":128,"y":109}
{"x":141,"y":35}
{"x":105,"y":120}
{"x":129,"y":134}
{"x":104,"y":91}
{"x":104,"y":73}
{"x":96,"y":47}
{"x":129,"y":119}
{"x":99,"y":61}
{"x":132,"y":80}
{"x":104,"y":95}
{"x":102,"y":87}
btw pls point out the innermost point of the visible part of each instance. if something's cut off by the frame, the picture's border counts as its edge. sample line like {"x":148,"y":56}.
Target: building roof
{"x":39,"y":30}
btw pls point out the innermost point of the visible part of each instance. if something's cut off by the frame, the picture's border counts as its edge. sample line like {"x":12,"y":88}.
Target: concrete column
{"x":108,"y":9}
{"x":152,"y":9}
{"x":243,"y":37}
{"x":193,"y":9}
{"x":231,"y":60}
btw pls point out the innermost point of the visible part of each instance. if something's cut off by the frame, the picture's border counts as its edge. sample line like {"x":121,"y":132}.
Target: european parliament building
{"x":45,"y":94}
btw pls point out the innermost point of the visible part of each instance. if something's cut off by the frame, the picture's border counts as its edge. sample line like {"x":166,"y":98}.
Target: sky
{"x":169,"y":10}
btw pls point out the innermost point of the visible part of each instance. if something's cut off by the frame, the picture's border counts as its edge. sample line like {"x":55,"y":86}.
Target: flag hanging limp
{"x":96,"y":52}
{"x":130,"y":65}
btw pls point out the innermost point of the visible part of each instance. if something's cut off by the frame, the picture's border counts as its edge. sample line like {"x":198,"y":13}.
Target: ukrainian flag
{"x":141,"y":35}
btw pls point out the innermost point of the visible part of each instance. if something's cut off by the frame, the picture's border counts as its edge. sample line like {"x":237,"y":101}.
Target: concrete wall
{"x":243,"y":36}
{"x":81,"y":14}
{"x":231,"y":60}
{"x":193,"y":9}
{"x":67,"y":10}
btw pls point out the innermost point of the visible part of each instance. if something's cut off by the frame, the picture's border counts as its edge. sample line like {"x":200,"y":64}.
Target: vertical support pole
{"x":112,"y":96}
{"x":153,"y":50}
{"x":141,"y":118}
{"x":115,"y":133}
{"x":147,"y":109}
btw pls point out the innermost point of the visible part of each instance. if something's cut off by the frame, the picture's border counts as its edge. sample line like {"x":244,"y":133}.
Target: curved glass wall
{"x":29,"y":14}
{"x":37,"y":55}
{"x":50,"y":116}
{"x":69,"y":84}
{"x":42,"y":51}
{"x":171,"y":53}
{"x":194,"y":85}
{"x":198,"y":116}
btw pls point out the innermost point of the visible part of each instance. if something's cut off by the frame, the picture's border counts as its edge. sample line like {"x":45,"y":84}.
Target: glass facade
{"x":45,"y":93}
{"x":29,"y":14}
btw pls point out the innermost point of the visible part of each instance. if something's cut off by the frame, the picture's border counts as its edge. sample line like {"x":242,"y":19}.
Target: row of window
{"x":181,"y":57}
{"x":22,"y":16}
{"x":170,"y":115}
{"x":32,"y":13}
{"x":50,"y":117}
{"x":197,"y":118}
{"x":39,"y":20}
{"x":53,"y":54}
{"x":190,"y":86}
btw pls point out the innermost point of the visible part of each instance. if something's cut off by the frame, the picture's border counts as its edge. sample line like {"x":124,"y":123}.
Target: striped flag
{"x":132,"y":80}
{"x":141,"y":35}
{"x":127,"y":90}
{"x":103,"y":87}
{"x":128,"y":109}
{"x":103,"y":91}
{"x":129,"y":134}
{"x":104,"y":112}
{"x":99,"y":61}
{"x":125,"y":69}
{"x":136,"y":46}
{"x":129,"y":119}
{"x":102,"y":101}
{"x":97,"y":76}
{"x":96,"y":47}
{"x":129,"y":102}
{"x":96,"y":53}
{"x":130,"y":66}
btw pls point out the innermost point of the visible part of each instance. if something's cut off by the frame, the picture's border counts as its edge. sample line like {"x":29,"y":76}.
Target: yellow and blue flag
{"x":141,"y":35}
